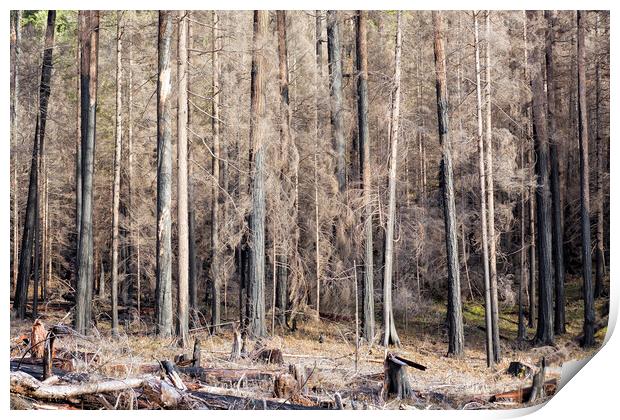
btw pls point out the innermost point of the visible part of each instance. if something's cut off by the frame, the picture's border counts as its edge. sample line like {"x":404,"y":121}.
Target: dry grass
{"x":448,"y":382}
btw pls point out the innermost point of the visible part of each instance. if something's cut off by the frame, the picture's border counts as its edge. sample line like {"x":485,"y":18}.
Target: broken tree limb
{"x":170,"y":372}
{"x":24,"y":384}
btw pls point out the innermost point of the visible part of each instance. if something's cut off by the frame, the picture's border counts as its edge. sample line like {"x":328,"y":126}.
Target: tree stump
{"x":196,"y":354}
{"x":395,"y":382}
{"x":38,"y":335}
{"x":235,"y":354}
{"x":538,"y":389}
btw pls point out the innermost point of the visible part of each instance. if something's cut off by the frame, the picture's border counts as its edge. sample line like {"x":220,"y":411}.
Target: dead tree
{"x":335,"y":85}
{"x":600,"y":192}
{"x":556,"y":213}
{"x":15,"y":57}
{"x":455,"y":312}
{"x":183,"y":240}
{"x":281,"y":260}
{"x":256,"y":287}
{"x":491,"y":198}
{"x":31,"y":220}
{"x":117,"y":173}
{"x":390,"y":334}
{"x":215,"y":168}
{"x":483,"y":202}
{"x":85,"y":277}
{"x":584,"y":172}
{"x":164,"y":178}
{"x":368,"y":308}
{"x":544,"y":330}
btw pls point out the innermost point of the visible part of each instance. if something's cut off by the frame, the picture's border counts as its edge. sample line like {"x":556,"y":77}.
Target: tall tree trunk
{"x":133,"y":224}
{"x":365,"y":175}
{"x":117,"y":171}
{"x":31,"y":221}
{"x":544,"y":330}
{"x":600,"y":193}
{"x":586,"y":258}
{"x":285,"y":173}
{"x":490,"y":190}
{"x":191,"y":222}
{"x":557,"y":236}
{"x":455,"y":312}
{"x":521,"y":331}
{"x":183,"y":256}
{"x":317,"y":141}
{"x":335,"y":85}
{"x":483,"y":204}
{"x":85,"y":278}
{"x":390,"y":334}
{"x":215,"y":167}
{"x":82,"y":61}
{"x":257,"y":144}
{"x":164,"y":177}
{"x":16,"y":52}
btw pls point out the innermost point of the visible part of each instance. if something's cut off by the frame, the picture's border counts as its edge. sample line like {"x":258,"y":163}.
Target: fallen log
{"x":231,"y":402}
{"x":24,"y":384}
{"x":34,"y":367}
{"x":523,"y":394}
{"x":209,"y":375}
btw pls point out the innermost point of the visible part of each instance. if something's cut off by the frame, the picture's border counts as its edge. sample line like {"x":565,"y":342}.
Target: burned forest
{"x":322,"y":209}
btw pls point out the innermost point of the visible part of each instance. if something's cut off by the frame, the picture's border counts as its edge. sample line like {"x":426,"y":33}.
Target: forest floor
{"x":326,"y":349}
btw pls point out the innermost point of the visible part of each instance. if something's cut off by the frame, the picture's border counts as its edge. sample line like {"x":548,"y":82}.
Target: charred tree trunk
{"x":30,"y":230}
{"x":390,"y":334}
{"x":544,"y":330}
{"x":85,"y":277}
{"x":256,"y":285}
{"x":455,"y":312}
{"x":183,"y":256}
{"x":557,"y":236}
{"x":164,"y":178}
{"x":586,"y":258}
{"x":368,"y":310}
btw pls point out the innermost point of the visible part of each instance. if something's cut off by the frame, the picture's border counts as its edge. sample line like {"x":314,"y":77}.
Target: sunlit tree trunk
{"x":390,"y":334}
{"x":483,"y":202}
{"x":117,"y":172}
{"x":317,"y":132}
{"x":490,"y":190}
{"x":16,"y":52}
{"x":368,"y":305}
{"x":215,"y":167}
{"x":182,"y":216}
{"x":164,"y":178}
